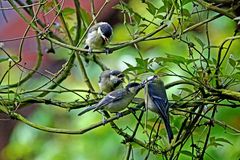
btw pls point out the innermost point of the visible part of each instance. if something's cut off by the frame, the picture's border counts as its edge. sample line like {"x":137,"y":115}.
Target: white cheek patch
{"x":100,"y":32}
{"x":150,"y":78}
{"x":91,"y":36}
{"x":112,"y":77}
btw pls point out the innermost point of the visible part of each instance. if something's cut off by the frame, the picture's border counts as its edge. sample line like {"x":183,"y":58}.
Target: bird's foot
{"x":107,"y":51}
{"x":104,"y":120}
{"x":89,"y":53}
{"x":101,"y":94}
{"x":119,"y":114}
{"x":133,"y":110}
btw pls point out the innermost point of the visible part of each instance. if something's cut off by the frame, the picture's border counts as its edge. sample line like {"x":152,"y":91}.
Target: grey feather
{"x":86,"y":110}
{"x":157,"y":101}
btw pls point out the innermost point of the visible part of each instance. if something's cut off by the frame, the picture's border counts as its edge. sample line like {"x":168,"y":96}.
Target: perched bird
{"x":110,"y":80}
{"x":116,"y":100}
{"x":98,"y":36}
{"x":156,"y":101}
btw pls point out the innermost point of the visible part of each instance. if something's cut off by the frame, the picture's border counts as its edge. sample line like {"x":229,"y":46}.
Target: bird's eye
{"x":120,"y":76}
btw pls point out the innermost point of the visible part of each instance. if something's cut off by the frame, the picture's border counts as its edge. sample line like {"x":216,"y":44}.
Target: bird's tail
{"x":86,"y":110}
{"x":168,"y":128}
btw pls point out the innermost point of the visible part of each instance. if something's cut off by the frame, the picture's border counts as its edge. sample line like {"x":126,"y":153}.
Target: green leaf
{"x":6,"y":58}
{"x":213,"y":142}
{"x":214,"y":60}
{"x":175,"y":97}
{"x":85,"y":16}
{"x":133,"y":69}
{"x":184,"y":2}
{"x":3,"y":59}
{"x":118,"y":7}
{"x":150,"y":127}
{"x":170,"y":59}
{"x":142,"y":62}
{"x":199,"y":41}
{"x":159,"y":16}
{"x":176,"y":59}
{"x":128,"y":64}
{"x":187,"y":153}
{"x":125,"y":8}
{"x":151,"y":8}
{"x":186,"y":90}
{"x":142,"y":150}
{"x":232,"y":62}
{"x":186,"y":13}
{"x":223,"y":140}
{"x":68,"y":11}
{"x":189,"y":61}
{"x":238,"y":61}
{"x":167,"y":4}
{"x":3,"y":109}
{"x":161,"y":69}
{"x":137,"y":17}
{"x":134,"y":145}
{"x":161,"y":10}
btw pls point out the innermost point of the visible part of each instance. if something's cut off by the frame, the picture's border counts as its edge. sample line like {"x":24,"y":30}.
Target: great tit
{"x":156,"y":101}
{"x":116,"y":100}
{"x":98,"y":36}
{"x":110,"y":80}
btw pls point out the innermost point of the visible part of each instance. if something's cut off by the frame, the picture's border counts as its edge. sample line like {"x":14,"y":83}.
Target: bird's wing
{"x":86,"y":110}
{"x":159,"y":98}
{"x":110,"y":98}
{"x":157,"y":94}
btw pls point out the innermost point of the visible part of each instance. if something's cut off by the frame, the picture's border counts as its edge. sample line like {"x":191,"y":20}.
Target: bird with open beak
{"x":98,"y":36}
{"x":110,"y":80}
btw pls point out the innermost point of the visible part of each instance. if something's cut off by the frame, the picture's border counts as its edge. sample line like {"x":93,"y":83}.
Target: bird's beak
{"x":149,"y":79}
{"x":120,"y":76}
{"x":105,"y":39}
{"x":102,"y":35}
{"x":142,"y":85}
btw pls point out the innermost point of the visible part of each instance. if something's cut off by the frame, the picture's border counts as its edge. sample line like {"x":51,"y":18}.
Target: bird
{"x":110,"y":80}
{"x":156,"y":101}
{"x":98,"y":36}
{"x":117,"y":100}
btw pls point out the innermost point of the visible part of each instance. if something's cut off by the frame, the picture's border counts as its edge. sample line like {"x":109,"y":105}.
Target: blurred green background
{"x":103,"y":143}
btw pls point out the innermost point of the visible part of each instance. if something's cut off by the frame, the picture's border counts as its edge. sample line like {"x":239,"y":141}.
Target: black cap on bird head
{"x":117,"y":73}
{"x":134,"y":86}
{"x":106,"y":30}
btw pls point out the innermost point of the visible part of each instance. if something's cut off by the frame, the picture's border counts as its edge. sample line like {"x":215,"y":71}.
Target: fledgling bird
{"x":156,"y":101}
{"x":116,"y":100}
{"x":98,"y":36}
{"x":110,"y":80}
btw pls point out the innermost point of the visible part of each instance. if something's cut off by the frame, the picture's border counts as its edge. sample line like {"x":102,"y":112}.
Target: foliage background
{"x":28,"y":143}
